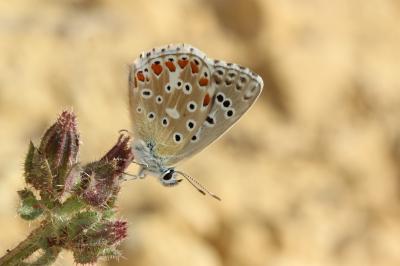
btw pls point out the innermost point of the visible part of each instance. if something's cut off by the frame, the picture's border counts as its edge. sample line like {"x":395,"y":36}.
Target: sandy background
{"x":309,"y":176}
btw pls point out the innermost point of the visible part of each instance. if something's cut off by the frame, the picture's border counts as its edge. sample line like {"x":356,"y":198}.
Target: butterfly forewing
{"x":181,"y":101}
{"x":170,"y":97}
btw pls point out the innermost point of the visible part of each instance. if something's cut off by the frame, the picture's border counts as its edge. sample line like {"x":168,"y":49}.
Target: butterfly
{"x":180,"y":102}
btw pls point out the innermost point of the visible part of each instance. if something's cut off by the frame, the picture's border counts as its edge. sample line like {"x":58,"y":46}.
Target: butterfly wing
{"x":235,"y":89}
{"x":181,"y":101}
{"x":170,"y":96}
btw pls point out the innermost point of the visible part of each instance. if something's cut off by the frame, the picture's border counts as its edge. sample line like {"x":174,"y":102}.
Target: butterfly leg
{"x":127,"y":177}
{"x":141,"y":173}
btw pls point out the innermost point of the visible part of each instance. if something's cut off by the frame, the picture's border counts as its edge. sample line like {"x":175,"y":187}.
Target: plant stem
{"x":26,"y":248}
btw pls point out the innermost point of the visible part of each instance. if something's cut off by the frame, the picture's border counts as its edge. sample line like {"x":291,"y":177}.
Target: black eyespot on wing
{"x":192,"y":106}
{"x":177,"y":137}
{"x":210,"y":120}
{"x":220,"y":98}
{"x":165,"y":121}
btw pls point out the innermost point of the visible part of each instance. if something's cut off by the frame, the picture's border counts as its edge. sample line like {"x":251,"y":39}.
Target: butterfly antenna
{"x":141,"y":164}
{"x":197,"y":185}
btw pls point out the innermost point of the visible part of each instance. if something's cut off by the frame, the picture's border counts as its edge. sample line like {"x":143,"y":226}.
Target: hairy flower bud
{"x":103,"y":177}
{"x":50,"y":168}
{"x":115,"y":231}
{"x":60,"y":146}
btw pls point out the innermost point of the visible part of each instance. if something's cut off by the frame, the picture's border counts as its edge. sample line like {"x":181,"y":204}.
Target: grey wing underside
{"x":239,"y":88}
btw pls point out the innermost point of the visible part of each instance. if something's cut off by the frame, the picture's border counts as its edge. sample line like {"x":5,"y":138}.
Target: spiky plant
{"x":74,"y":203}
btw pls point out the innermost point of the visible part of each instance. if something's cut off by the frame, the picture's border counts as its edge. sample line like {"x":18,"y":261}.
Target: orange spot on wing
{"x":183,"y":63}
{"x":140,"y":76}
{"x":157,"y":69}
{"x":206,"y":100}
{"x":203,"y":82}
{"x":195,"y":68}
{"x":171,"y":66}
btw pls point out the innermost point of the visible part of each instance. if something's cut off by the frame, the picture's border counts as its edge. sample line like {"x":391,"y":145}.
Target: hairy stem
{"x":26,"y":248}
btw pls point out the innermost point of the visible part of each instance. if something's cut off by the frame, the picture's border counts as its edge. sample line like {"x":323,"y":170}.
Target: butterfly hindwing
{"x":235,"y":89}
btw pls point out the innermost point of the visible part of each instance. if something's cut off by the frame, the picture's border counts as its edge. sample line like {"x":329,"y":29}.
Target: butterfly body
{"x":180,"y":102}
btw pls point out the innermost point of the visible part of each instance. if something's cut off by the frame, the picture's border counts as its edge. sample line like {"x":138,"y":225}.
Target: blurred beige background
{"x":309,"y":176}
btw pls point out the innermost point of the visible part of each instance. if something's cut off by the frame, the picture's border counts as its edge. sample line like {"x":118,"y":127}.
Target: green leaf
{"x":28,"y":165}
{"x":30,"y":207}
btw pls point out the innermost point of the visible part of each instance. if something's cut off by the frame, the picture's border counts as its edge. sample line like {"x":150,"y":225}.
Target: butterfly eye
{"x":139,"y":109}
{"x":168,"y":176}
